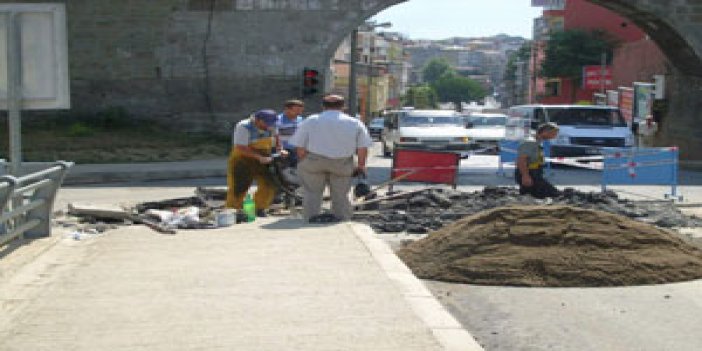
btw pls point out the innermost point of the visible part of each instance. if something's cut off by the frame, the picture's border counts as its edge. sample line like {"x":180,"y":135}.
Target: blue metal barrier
{"x":642,"y":166}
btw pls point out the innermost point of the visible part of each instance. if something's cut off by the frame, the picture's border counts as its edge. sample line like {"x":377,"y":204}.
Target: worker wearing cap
{"x":253,"y":141}
{"x":530,"y":164}
{"x":326,"y":144}
{"x":287,"y":124}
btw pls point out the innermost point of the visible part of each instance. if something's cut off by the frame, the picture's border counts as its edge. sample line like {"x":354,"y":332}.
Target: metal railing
{"x":26,"y":202}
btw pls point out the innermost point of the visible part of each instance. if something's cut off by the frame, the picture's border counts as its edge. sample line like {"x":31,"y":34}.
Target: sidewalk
{"x":275,"y":284}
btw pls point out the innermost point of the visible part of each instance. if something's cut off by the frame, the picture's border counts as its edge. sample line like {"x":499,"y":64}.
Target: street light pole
{"x":369,"y":83}
{"x":353,"y":93}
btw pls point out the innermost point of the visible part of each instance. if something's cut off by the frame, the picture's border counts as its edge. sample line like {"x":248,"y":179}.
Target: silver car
{"x":424,"y":129}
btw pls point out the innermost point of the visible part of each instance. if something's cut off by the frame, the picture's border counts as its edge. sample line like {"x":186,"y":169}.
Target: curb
{"x":446,"y":329}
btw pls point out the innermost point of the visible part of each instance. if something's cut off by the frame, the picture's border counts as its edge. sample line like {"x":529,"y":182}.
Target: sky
{"x":441,"y":19}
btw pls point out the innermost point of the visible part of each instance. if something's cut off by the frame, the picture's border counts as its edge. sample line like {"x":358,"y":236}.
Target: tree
{"x":421,"y":97}
{"x":456,"y":89}
{"x":568,"y":51}
{"x":521,"y":55}
{"x":435,"y":69}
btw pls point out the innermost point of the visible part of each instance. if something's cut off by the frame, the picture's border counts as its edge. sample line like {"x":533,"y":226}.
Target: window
{"x":552,"y":88}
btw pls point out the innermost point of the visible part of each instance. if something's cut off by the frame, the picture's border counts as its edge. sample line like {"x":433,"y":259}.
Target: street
{"x":664,"y":317}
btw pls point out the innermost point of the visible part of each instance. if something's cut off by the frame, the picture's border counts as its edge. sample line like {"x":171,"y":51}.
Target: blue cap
{"x":267,"y":116}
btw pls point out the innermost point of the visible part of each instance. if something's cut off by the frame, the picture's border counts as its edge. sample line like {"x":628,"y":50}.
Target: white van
{"x":424,"y":129}
{"x":584,"y":130}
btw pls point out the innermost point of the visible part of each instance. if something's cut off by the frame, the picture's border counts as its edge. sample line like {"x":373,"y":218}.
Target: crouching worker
{"x":530,"y":164}
{"x":252,"y":142}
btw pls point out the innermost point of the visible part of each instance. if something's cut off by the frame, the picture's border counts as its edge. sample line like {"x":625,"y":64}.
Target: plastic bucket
{"x":225,"y":218}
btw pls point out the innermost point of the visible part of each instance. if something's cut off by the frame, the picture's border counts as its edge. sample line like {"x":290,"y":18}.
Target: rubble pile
{"x":426,"y":210}
{"x":414,"y":212}
{"x":553,"y":246}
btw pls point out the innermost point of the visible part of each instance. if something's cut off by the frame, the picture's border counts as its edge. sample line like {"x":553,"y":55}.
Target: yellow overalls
{"x":242,"y":171}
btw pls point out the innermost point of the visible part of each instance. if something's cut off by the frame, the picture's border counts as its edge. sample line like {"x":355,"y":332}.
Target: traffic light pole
{"x":369,"y":106}
{"x":353,"y":74}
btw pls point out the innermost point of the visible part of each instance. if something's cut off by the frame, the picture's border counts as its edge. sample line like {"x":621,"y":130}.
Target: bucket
{"x":225,"y":218}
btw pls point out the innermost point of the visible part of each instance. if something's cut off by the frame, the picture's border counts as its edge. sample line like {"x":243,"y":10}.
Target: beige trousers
{"x":315,"y":172}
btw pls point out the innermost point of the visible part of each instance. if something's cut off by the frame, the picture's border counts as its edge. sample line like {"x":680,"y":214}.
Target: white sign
{"x":44,"y":55}
{"x":549,"y":4}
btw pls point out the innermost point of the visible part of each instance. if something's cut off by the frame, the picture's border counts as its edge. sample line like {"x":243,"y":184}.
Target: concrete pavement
{"x":276,"y":284}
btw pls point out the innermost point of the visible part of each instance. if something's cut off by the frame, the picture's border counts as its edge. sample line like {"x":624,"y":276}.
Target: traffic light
{"x":310,"y":81}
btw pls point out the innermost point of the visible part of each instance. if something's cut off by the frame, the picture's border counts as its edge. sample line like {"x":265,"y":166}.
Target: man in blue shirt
{"x":286,"y":126}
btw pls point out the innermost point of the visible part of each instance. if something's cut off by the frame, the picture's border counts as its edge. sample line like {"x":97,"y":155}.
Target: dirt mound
{"x":552,"y":246}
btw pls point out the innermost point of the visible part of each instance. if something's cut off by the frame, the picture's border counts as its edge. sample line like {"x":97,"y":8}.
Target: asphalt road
{"x":664,"y":317}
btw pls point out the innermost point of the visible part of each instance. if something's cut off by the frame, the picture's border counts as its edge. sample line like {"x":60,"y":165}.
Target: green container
{"x":249,"y":208}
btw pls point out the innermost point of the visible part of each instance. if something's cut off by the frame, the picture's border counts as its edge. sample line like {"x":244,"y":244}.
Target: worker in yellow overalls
{"x":252,"y":142}
{"x":529,"y":174}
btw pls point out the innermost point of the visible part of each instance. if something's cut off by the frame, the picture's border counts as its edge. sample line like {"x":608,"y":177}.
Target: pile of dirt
{"x":553,"y":246}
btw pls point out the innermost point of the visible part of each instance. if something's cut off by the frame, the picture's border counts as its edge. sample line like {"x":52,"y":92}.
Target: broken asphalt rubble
{"x":415,"y":212}
{"x":430,"y":209}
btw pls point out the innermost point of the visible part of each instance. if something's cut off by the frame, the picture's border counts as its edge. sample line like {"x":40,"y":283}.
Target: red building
{"x":636,"y":59}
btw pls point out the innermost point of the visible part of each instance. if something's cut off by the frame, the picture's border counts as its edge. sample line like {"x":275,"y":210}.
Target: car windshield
{"x":586,"y":117}
{"x":376,"y":122}
{"x":424,"y":121}
{"x":482,"y":121}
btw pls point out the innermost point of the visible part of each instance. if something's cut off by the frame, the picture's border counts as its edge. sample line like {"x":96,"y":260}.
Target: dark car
{"x":375,"y":128}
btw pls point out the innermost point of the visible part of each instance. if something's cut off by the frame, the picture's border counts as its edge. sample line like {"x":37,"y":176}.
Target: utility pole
{"x":603,"y":78}
{"x":14,"y":91}
{"x":369,"y":83}
{"x":353,"y":74}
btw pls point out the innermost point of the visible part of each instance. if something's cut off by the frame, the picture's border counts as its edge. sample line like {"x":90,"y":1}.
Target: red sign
{"x":426,"y":166}
{"x":626,"y":103}
{"x":592,"y":77}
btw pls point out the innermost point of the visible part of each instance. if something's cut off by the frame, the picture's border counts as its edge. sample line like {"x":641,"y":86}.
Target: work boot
{"x":240,"y":217}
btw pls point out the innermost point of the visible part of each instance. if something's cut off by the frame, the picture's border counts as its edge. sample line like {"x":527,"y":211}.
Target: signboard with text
{"x":626,"y":103}
{"x":593,"y":77}
{"x":44,"y":55}
{"x":643,"y":100}
{"x":613,"y":98}
{"x":549,"y":4}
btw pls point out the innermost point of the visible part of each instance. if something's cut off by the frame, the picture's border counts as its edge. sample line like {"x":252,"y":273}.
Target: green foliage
{"x":79,"y":130}
{"x":435,"y":69}
{"x":456,"y":89}
{"x":421,"y":97}
{"x":568,"y":51}
{"x":521,"y":55}
{"x":114,"y":117}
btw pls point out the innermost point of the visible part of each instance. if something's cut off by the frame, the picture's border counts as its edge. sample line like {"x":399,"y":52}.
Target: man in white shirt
{"x":326,"y":144}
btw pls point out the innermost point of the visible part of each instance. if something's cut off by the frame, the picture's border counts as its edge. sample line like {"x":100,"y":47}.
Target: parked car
{"x":584,"y":130}
{"x":375,"y":128}
{"x":424,"y":129}
{"x":486,"y":130}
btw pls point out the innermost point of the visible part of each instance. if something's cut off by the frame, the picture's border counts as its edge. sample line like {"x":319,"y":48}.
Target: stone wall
{"x":208,"y":63}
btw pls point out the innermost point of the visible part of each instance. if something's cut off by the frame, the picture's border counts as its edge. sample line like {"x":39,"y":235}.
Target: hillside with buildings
{"x":389,"y":63}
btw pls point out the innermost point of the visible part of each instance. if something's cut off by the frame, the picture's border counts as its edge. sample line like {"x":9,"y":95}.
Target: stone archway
{"x":677,"y":30}
{"x":207,"y":63}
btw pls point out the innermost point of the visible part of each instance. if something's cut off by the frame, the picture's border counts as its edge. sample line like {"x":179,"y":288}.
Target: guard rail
{"x":26,"y":202}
